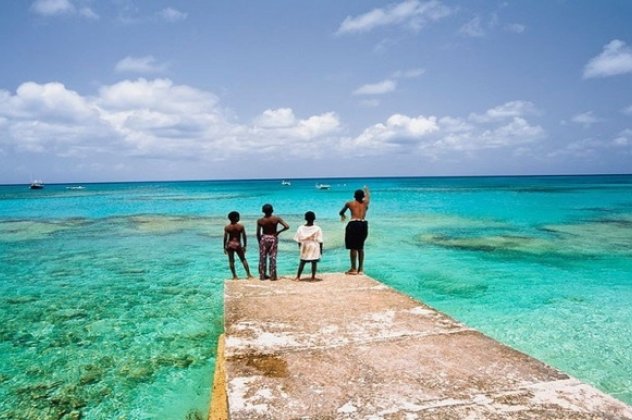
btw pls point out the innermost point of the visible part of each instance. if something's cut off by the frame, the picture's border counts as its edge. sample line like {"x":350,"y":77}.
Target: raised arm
{"x":367,"y":196}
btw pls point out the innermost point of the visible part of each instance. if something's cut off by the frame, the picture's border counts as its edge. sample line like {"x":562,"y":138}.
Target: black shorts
{"x":356,"y":233}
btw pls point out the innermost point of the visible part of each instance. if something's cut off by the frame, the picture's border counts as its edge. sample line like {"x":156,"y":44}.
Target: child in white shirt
{"x":310,"y":242}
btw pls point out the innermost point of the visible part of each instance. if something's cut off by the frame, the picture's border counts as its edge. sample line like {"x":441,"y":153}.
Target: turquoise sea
{"x":111,"y":296}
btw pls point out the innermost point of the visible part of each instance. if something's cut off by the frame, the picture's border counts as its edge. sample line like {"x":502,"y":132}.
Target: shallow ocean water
{"x":111,"y":297}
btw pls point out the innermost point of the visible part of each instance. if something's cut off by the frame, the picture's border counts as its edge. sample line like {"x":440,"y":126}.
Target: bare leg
{"x":314,"y":269}
{"x":242,"y":257}
{"x":301,"y":265}
{"x":231,"y":264}
{"x":353,"y":256}
{"x":246,"y":267}
{"x":360,"y":260}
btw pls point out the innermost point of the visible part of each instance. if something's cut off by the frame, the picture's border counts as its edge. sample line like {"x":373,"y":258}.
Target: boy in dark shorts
{"x":357,"y":229}
{"x":234,"y":233}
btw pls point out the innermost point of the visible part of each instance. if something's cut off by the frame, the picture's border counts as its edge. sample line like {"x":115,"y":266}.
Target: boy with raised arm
{"x":357,"y":229}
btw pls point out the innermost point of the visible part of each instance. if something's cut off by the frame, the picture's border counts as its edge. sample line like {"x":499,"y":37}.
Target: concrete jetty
{"x":350,"y":347}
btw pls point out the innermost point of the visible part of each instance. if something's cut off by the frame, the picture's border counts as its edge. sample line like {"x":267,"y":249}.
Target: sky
{"x":140,"y":90}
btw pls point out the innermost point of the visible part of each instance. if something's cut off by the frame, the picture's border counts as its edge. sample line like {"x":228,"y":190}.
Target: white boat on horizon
{"x":37,"y":185}
{"x":323,"y":186}
{"x":286,"y":183}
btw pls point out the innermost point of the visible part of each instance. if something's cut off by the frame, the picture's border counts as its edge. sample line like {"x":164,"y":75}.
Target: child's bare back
{"x":269,"y":224}
{"x":235,"y":241}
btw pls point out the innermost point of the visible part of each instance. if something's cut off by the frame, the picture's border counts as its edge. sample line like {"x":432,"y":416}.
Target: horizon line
{"x":322,"y":178}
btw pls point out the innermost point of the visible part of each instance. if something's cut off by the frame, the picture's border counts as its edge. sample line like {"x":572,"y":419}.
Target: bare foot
{"x":351,"y":272}
{"x":296,"y":279}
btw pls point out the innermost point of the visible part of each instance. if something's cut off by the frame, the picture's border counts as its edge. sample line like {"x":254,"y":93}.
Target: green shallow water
{"x":111,"y":297}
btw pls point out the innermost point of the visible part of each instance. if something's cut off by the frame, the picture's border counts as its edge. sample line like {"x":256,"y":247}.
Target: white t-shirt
{"x":310,"y":238}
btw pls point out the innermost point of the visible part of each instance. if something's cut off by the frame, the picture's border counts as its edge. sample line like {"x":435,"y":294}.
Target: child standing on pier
{"x":268,"y":237}
{"x":234,"y":232}
{"x":310,"y":243}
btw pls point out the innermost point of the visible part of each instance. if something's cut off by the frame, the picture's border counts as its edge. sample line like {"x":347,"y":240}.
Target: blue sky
{"x":117,"y":90}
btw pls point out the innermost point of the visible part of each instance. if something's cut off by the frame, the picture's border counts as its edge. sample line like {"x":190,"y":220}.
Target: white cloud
{"x":518,"y":131}
{"x":149,"y":118}
{"x":281,"y":123}
{"x":385,"y":86}
{"x":318,"y":125}
{"x":143,"y":65}
{"x":412,"y":14}
{"x":479,"y":27}
{"x":131,"y":14}
{"x":61,"y":7}
{"x":49,"y":117}
{"x":473,"y":138}
{"x":271,"y":118}
{"x":88,"y":13}
{"x":584,"y":148}
{"x":586,"y":119}
{"x":510,"y":109}
{"x":50,"y":101}
{"x":473,"y":28}
{"x":500,"y":127}
{"x":615,"y":59}
{"x":398,"y":129}
{"x":588,"y":148}
{"x":455,"y":125}
{"x":53,"y":7}
{"x":624,"y":139}
{"x":172,"y":15}
{"x":627,"y":111}
{"x":159,"y":119}
{"x":160,"y":94}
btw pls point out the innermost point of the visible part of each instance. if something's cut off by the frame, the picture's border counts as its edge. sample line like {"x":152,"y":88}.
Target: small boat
{"x":76,"y":187}
{"x":323,"y":186}
{"x":286,"y":182}
{"x":37,"y":185}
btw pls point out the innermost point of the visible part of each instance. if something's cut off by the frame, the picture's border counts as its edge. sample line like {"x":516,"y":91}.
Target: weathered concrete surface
{"x":350,"y":347}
